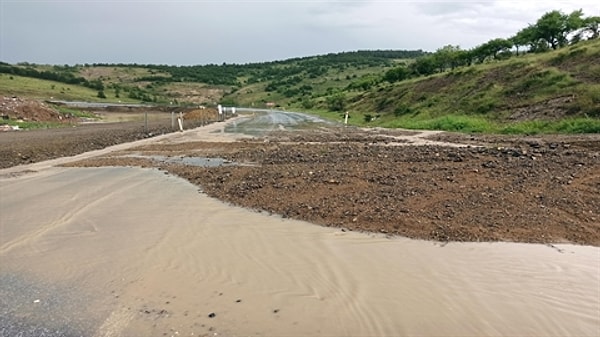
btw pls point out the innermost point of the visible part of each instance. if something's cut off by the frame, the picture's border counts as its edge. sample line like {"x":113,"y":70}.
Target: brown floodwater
{"x":131,"y":252}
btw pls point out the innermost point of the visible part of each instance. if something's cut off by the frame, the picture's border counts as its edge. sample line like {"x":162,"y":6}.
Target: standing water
{"x":137,"y":252}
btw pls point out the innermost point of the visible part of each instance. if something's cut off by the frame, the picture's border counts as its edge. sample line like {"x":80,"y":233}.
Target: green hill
{"x":203,"y":84}
{"x":557,"y":91}
{"x":547,"y":91}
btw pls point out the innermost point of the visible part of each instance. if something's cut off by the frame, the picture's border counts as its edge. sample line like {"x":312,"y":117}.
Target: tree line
{"x":223,"y":74}
{"x":57,"y":76}
{"x":553,"y":30}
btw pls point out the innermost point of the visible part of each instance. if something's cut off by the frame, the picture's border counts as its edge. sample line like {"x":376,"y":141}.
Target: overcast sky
{"x":244,"y":31}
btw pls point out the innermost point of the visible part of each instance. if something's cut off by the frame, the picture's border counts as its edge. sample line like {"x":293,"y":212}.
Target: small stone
{"x":212,"y":315}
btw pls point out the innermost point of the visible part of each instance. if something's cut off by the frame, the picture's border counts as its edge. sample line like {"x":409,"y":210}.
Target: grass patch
{"x":578,"y":125}
{"x":457,"y":123}
{"x":566,"y":126}
{"x":13,"y":85}
{"x":74,"y":112}
{"x":475,"y":124}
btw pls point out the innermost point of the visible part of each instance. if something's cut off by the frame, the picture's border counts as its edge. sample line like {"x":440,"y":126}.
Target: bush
{"x":336,"y":102}
{"x":402,"y":110}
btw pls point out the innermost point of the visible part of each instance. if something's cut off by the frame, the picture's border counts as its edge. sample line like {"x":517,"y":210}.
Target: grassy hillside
{"x":282,"y":81}
{"x":13,"y":85}
{"x":557,"y":91}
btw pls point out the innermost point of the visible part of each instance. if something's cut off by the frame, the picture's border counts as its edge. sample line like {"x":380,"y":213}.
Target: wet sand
{"x":131,"y":252}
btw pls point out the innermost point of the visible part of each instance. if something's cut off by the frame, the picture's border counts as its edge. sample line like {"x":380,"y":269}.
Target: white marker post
{"x":346,"y":118}
{"x":233,"y":110}
{"x":180,"y":121}
{"x":220,"y":108}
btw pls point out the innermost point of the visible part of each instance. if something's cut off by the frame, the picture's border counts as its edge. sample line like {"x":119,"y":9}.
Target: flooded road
{"x":256,"y":122}
{"x":135,"y":252}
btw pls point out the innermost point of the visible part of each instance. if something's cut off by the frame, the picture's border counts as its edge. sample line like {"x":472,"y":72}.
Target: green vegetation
{"x":548,"y":92}
{"x":14,"y":85}
{"x":474,"y":124}
{"x":34,"y":125}
{"x":545,"y":78}
{"x":66,"y":111}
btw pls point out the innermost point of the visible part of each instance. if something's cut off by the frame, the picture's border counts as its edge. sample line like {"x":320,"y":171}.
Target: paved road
{"x":261,"y":121}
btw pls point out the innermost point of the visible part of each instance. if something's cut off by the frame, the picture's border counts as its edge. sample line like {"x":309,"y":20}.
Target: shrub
{"x":402,"y":110}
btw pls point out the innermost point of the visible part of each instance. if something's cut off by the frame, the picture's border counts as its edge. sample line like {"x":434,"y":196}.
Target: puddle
{"x":189,"y":161}
{"x":264,"y":121}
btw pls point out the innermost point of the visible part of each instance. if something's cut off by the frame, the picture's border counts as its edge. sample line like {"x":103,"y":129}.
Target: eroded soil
{"x":542,"y":189}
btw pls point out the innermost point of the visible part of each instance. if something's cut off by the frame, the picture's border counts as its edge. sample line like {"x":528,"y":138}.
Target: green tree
{"x":425,"y":65}
{"x":336,"y":102}
{"x":554,"y":27}
{"x":526,"y":37}
{"x":397,"y":74}
{"x":492,"y":48}
{"x":522,"y":38}
{"x":101,"y":94}
{"x":447,"y":57}
{"x":464,"y":57}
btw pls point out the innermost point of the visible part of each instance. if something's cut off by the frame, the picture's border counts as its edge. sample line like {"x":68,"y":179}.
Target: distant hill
{"x":202,"y":84}
{"x":550,"y":91}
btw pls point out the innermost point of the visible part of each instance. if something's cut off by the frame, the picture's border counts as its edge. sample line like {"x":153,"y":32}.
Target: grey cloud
{"x":450,"y":8}
{"x":242,"y":31}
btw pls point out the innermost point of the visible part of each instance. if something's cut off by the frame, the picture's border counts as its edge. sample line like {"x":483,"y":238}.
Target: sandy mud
{"x":130,"y":252}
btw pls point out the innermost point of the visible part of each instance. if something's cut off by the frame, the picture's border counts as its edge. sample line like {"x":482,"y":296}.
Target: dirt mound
{"x":28,"y":110}
{"x":208,"y":114}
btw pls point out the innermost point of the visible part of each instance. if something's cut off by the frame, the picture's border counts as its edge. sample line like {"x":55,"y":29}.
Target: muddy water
{"x":131,"y":252}
{"x":260,"y":121}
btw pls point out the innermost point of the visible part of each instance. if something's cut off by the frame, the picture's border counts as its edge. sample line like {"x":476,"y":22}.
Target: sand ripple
{"x":152,"y":256}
